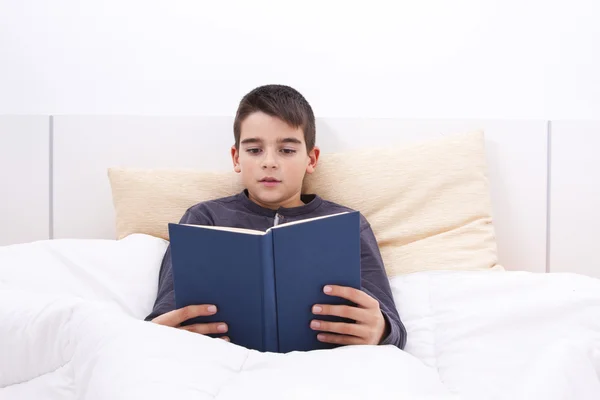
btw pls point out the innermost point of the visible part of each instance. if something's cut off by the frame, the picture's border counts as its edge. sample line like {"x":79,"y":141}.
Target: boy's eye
{"x":253,"y":151}
{"x":288,"y":151}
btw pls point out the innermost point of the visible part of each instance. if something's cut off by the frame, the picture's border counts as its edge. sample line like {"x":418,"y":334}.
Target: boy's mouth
{"x":269,"y":181}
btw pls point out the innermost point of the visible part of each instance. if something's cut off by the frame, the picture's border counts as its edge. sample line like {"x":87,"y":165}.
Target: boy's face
{"x":272,"y":160}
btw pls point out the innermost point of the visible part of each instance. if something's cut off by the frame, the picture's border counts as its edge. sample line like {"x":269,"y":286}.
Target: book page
{"x":305,"y":220}
{"x":228,"y":229}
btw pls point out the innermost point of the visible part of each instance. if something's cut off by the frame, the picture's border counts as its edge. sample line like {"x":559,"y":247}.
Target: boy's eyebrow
{"x":289,"y":140}
{"x":251,"y":140}
{"x":284,"y":140}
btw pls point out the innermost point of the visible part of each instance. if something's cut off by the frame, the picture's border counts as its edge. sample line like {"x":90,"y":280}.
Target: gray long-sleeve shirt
{"x":240,"y":212}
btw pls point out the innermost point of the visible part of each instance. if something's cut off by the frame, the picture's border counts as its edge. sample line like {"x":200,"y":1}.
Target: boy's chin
{"x":272,"y":199}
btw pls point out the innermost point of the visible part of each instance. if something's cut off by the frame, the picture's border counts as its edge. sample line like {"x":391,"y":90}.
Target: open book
{"x":264,"y":284}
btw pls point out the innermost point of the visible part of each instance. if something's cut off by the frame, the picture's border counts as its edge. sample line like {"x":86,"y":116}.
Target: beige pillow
{"x":146,"y":201}
{"x":428,"y":203}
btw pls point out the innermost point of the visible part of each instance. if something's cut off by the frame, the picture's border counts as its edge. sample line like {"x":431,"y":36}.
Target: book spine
{"x":270,"y":329}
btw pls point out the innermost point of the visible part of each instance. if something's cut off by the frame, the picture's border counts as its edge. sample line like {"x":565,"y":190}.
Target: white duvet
{"x":71,"y":328}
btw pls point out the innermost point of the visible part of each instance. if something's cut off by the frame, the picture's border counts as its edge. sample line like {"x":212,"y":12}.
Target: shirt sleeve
{"x":165,"y":298}
{"x":376,"y":284}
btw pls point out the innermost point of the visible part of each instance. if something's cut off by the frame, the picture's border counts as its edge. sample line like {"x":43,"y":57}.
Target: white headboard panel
{"x":575,"y":192}
{"x":85,"y":146}
{"x":24,"y":179}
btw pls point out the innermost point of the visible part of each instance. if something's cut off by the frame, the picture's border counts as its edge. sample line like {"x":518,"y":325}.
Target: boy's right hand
{"x":175,"y":318}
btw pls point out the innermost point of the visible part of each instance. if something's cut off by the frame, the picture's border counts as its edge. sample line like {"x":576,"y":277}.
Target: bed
{"x":75,"y":286}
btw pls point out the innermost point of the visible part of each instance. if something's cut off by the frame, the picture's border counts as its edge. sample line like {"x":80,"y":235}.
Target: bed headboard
{"x":53,"y":169}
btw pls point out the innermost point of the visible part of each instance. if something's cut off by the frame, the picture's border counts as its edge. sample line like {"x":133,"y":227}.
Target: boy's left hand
{"x":370,"y":324}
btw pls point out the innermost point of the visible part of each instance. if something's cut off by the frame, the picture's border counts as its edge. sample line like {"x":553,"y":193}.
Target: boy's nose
{"x":269,"y":162}
{"x":267,"y":165}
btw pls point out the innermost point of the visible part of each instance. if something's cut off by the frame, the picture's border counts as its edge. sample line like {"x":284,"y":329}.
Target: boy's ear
{"x":313,"y":157}
{"x":235,"y":157}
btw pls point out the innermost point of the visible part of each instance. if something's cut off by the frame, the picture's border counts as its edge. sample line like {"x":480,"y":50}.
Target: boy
{"x":274,"y":148}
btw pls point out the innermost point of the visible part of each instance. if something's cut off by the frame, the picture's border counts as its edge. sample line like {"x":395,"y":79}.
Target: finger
{"x":206,"y":329}
{"x":339,"y":327}
{"x":225,"y":338}
{"x":339,"y":339}
{"x":176,"y":317}
{"x":354,"y":313}
{"x":354,"y":295}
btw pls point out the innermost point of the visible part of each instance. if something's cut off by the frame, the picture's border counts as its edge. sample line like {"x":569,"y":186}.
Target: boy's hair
{"x":278,"y":101}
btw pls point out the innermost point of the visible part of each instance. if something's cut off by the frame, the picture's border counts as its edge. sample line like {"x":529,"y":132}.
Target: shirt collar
{"x":311,"y":203}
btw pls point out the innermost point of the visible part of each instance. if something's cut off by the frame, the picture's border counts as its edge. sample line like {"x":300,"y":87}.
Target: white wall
{"x":427,"y":58}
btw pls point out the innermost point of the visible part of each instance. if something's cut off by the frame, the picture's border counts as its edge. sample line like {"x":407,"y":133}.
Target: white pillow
{"x":122,"y":273}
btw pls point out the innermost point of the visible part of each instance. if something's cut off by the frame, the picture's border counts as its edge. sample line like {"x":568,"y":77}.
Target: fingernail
{"x":212,"y":309}
{"x":320,"y":336}
{"x":315,"y":324}
{"x":327,"y":289}
{"x":317,"y":309}
{"x":222,"y":328}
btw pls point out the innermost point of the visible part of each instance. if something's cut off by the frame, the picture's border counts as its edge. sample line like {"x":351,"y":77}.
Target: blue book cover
{"x":264,"y":284}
